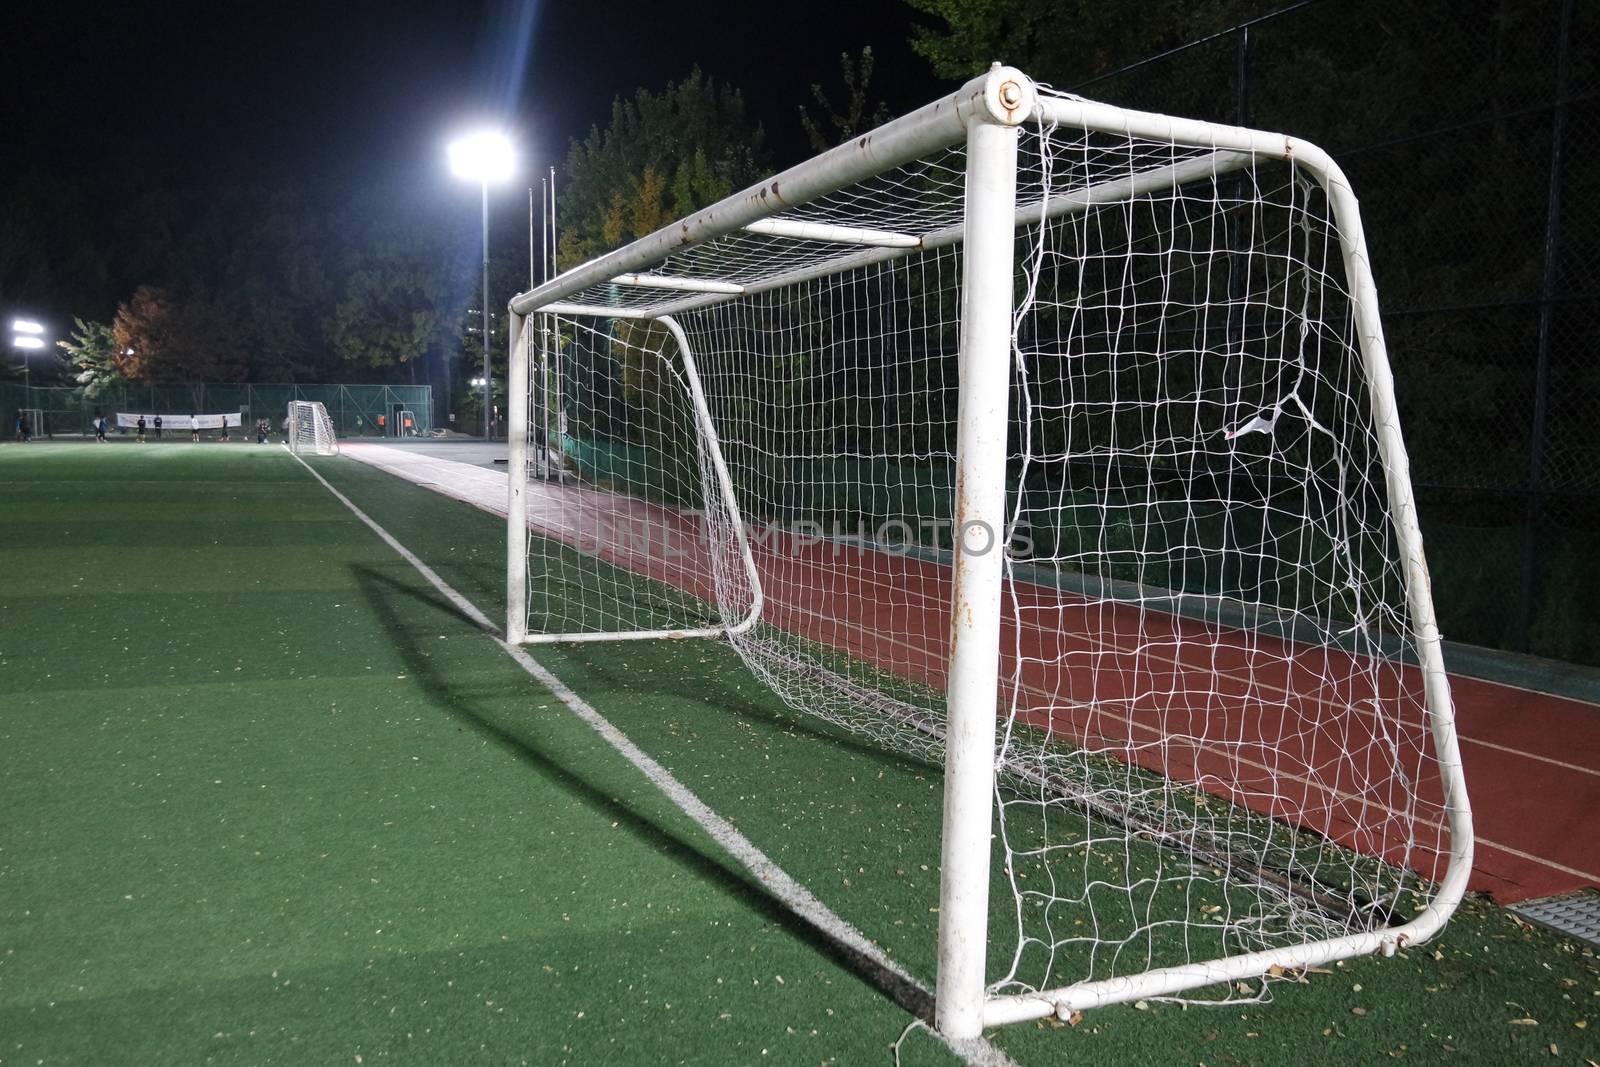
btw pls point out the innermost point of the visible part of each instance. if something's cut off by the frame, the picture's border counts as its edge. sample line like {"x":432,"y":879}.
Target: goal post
{"x":1056,"y":442}
{"x":309,"y":429}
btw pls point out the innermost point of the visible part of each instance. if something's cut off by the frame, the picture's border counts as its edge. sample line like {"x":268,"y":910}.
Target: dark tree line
{"x":253,"y":283}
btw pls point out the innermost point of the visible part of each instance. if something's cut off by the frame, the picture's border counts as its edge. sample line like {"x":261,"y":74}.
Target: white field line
{"x":406,"y":470}
{"x":796,"y":897}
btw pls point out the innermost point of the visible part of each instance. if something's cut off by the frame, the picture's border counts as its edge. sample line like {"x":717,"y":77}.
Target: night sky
{"x":196,"y":96}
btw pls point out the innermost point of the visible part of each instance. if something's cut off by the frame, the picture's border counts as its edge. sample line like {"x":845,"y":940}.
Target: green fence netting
{"x":355,"y":409}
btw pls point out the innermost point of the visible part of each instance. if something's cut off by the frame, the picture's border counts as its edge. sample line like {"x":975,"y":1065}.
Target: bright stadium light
{"x":484,"y":157}
{"x":26,"y":334}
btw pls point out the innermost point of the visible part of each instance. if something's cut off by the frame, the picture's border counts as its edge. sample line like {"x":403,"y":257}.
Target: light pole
{"x":27,"y":336}
{"x":484,"y":158}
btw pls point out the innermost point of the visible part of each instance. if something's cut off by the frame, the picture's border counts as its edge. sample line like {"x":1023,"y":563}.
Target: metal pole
{"x":536,"y":373}
{"x":449,"y":390}
{"x":533,"y":280}
{"x":542,"y":415}
{"x":552,"y":266}
{"x":488,"y":388}
{"x":1532,"y":505}
{"x":973,"y":687}
{"x":1243,"y":76}
{"x":517,"y":472}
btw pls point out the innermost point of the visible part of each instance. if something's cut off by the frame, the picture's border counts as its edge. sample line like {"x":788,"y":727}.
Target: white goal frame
{"x":985,"y":115}
{"x":310,"y":429}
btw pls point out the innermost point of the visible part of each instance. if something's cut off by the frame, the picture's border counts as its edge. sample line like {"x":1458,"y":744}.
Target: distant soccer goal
{"x":309,"y":430}
{"x":1056,"y":442}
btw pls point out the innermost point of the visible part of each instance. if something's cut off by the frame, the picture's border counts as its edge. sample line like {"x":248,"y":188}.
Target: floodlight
{"x":26,"y":326}
{"x":24,"y":341}
{"x":483,"y":157}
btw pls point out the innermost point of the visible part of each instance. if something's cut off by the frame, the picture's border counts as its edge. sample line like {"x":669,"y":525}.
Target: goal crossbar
{"x":926,"y":130}
{"x":1163,"y":177}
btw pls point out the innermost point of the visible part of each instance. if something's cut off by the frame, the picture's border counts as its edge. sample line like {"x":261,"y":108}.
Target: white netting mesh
{"x":619,"y":544}
{"x":309,"y":430}
{"x":1212,"y":741}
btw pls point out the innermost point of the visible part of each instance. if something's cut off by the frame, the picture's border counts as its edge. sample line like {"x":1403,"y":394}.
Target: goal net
{"x":1057,"y":443}
{"x":309,"y":430}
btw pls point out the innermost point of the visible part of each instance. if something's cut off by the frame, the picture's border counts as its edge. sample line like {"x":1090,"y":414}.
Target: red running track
{"x":1245,"y":715}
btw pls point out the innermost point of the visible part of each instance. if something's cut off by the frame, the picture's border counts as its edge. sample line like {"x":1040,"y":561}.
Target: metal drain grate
{"x":1574,"y":914}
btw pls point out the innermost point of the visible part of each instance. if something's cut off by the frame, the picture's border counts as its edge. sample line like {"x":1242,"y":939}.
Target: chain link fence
{"x":355,"y":409}
{"x":1468,"y":131}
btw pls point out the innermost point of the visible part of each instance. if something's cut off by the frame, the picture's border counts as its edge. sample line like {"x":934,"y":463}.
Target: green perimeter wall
{"x":1475,"y":558}
{"x":353,"y":408}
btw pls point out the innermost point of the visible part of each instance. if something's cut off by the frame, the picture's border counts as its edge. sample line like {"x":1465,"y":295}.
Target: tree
{"x":279,"y":274}
{"x":392,"y":310}
{"x":1065,"y":41}
{"x":833,"y":127}
{"x":182,"y":336}
{"x":92,"y":357}
{"x":663,"y":156}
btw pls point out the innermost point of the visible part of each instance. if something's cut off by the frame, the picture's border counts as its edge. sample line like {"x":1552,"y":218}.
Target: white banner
{"x":179,"y":422}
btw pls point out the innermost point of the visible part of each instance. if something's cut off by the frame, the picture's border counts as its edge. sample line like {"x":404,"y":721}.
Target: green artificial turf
{"x":268,"y":798}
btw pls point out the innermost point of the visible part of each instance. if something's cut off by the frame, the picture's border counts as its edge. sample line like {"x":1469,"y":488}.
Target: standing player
{"x":194,"y":427}
{"x":140,"y":427}
{"x":158,"y":427}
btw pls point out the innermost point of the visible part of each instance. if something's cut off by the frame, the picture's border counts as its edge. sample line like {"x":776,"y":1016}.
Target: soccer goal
{"x":1056,"y":442}
{"x":309,"y":430}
